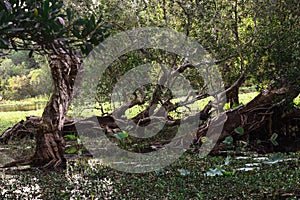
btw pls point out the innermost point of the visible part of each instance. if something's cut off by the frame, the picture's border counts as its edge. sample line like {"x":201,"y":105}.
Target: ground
{"x":188,"y":178}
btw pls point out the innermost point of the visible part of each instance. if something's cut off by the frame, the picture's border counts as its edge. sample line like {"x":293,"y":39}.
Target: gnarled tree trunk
{"x":265,"y":114}
{"x":50,"y":142}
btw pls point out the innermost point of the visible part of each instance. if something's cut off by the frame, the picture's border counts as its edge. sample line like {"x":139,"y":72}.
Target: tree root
{"x":260,"y":119}
{"x":16,"y":163}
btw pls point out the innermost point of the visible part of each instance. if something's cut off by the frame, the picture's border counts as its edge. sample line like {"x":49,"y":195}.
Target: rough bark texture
{"x":264,"y":115}
{"x":232,"y":97}
{"x":21,"y":129}
{"x":50,"y":142}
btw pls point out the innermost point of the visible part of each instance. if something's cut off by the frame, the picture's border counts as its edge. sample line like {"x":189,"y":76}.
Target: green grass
{"x":245,"y":98}
{"x":8,"y":119}
{"x":35,"y":100}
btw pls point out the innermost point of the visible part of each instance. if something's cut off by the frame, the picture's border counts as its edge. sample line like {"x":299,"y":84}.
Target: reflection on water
{"x":23,"y":107}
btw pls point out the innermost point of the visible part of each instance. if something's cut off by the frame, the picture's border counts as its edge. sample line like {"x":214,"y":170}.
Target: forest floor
{"x":247,"y":176}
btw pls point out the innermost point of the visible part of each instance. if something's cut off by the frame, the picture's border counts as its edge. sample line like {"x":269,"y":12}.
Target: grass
{"x":245,"y":98}
{"x":8,"y":119}
{"x":35,"y":100}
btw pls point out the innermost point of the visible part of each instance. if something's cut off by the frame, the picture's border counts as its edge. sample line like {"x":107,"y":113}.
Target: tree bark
{"x":263,"y":115}
{"x":50,"y":143}
{"x":232,"y":97}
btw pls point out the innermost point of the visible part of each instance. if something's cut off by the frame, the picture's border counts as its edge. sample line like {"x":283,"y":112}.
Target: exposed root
{"x":17,"y":163}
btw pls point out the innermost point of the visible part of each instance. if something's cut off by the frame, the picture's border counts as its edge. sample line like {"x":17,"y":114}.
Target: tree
{"x":47,"y":27}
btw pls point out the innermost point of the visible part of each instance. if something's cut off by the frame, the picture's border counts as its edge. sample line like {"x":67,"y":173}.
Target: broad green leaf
{"x":121,"y":135}
{"x":228,"y":141}
{"x":236,"y":105}
{"x":71,"y":150}
{"x":79,"y":141}
{"x":228,"y":173}
{"x":239,"y":130}
{"x":70,"y":137}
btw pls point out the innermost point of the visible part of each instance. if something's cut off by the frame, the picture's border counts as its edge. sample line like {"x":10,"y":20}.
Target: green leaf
{"x":274,"y":136}
{"x":70,"y":137}
{"x":79,"y":141}
{"x":239,"y":130}
{"x":236,"y":105}
{"x":92,"y":20}
{"x":76,"y":33}
{"x":121,"y":135}
{"x":30,"y":54}
{"x":228,"y":141}
{"x":71,"y":150}
{"x":228,"y":173}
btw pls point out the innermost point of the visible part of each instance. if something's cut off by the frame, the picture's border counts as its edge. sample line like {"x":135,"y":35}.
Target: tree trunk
{"x":260,"y":118}
{"x":50,"y":143}
{"x":232,"y":97}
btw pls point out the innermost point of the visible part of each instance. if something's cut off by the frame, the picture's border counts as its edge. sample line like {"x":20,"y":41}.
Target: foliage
{"x":45,"y":26}
{"x":23,"y":77}
{"x":258,"y":38}
{"x":88,"y":179}
{"x":121,"y":136}
{"x":239,"y":130}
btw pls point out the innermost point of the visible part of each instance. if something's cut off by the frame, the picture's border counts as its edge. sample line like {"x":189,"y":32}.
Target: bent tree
{"x":50,"y":27}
